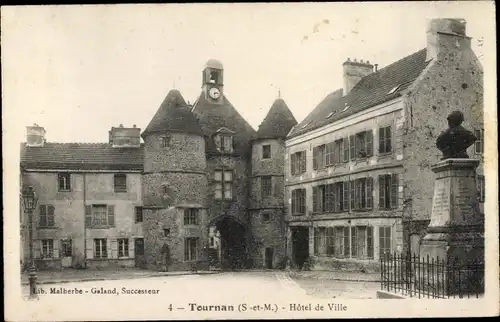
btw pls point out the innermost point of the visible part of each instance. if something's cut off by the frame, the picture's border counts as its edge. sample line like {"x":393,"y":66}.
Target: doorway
{"x":233,"y":246}
{"x":140,"y":260}
{"x":269,"y":257}
{"x":66,"y":252}
{"x":300,"y":245}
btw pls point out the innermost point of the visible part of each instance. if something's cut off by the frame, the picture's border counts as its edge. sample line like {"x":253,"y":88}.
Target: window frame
{"x":191,"y":217}
{"x":47,"y":244}
{"x":90,"y":216}
{"x":388,"y":187}
{"x":65,"y":183}
{"x":47,"y":216}
{"x":101,"y":248}
{"x":121,"y":186}
{"x":298,"y":206}
{"x":298,"y":163}
{"x":266,"y":187}
{"x":385,"y":140}
{"x":386,"y":240}
{"x":139,"y":214}
{"x":123,"y":247}
{"x":189,"y":256}
{"x":225,"y":185}
{"x":65,"y":245}
{"x":266,"y":151}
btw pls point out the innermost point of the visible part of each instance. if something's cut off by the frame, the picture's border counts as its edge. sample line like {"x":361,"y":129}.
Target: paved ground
{"x":254,"y":284}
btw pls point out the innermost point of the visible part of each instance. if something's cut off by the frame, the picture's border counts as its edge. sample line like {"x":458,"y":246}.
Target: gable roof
{"x":82,"y":156}
{"x":173,"y":115}
{"x":370,"y":91}
{"x":213,"y":117}
{"x":278,"y":121}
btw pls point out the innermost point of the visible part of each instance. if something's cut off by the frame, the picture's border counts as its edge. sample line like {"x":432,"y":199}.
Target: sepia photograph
{"x":249,"y":161}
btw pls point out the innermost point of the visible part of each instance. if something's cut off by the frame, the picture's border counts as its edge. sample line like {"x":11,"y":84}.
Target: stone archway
{"x":233,"y":242}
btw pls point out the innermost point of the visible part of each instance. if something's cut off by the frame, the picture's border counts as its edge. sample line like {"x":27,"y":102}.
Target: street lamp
{"x":30,"y":200}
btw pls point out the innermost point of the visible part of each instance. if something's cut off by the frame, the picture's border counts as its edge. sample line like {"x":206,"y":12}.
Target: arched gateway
{"x":232,"y":249}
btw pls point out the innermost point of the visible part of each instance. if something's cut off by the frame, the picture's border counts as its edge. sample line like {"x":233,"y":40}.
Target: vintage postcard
{"x":249,"y":161}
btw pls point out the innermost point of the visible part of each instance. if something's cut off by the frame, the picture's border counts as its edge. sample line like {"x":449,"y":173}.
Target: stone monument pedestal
{"x":455,"y":235}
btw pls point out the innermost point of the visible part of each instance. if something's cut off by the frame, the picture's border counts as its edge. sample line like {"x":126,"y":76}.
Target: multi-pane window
{"x":338,"y":151}
{"x":120,"y":182}
{"x":328,"y":198}
{"x":361,"y":193}
{"x":100,"y":248}
{"x":481,"y":186}
{"x":298,"y":162}
{"x":329,"y":153}
{"x":190,"y":248}
{"x":479,"y":144}
{"x":266,"y":152}
{"x":165,"y":141}
{"x":66,"y":248}
{"x":344,"y":242}
{"x":361,"y":145}
{"x":298,"y":201}
{"x":388,"y":191}
{"x":98,"y":216}
{"x":265,"y":186}
{"x":191,"y":216}
{"x":384,"y":240}
{"x":384,"y":140}
{"x":46,"y":216}
{"x":224,"y":143}
{"x":64,"y":181}
{"x":138,"y":214}
{"x":319,"y":157}
{"x":47,"y":250}
{"x":223,"y":184}
{"x":123,"y":247}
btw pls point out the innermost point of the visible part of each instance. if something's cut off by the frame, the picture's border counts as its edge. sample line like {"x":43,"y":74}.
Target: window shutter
{"x":381,"y":192}
{"x":113,"y":250}
{"x":303,"y":162}
{"x":352,"y":147}
{"x":315,"y":201}
{"x":369,"y":143}
{"x":43,"y":216}
{"x":292,"y":164}
{"x":354,"y":245}
{"x":50,"y":216}
{"x":369,"y":192}
{"x":352,"y":196}
{"x":111,"y":215}
{"x":345,"y":142}
{"x":315,"y":158}
{"x":347,"y":252}
{"x":303,"y":201}
{"x":88,"y":216}
{"x":388,"y":139}
{"x":346,"y":195}
{"x":394,"y":190}
{"x":381,"y":140}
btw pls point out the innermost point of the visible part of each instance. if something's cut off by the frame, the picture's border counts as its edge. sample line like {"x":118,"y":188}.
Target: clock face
{"x":214,"y":93}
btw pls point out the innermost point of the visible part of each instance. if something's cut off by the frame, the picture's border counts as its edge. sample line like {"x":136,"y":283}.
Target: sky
{"x":79,"y":70}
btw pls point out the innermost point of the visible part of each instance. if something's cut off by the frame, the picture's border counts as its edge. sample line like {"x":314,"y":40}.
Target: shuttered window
{"x":99,"y":216}
{"x":298,"y":162}
{"x":385,"y":240}
{"x":298,"y":201}
{"x":120,"y":182}
{"x":388,"y":191}
{"x":330,"y":154}
{"x":361,"y":194}
{"x":384,"y":140}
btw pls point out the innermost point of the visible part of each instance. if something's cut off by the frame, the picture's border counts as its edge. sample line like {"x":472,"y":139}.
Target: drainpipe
{"x":84,"y":223}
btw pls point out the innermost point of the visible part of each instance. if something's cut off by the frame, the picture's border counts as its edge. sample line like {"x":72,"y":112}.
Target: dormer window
{"x":394,"y":89}
{"x":224,"y":140}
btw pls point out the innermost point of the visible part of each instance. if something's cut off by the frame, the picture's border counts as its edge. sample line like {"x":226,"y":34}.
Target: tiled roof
{"x":173,"y":115}
{"x":82,"y":156}
{"x":371,"y":90}
{"x":278,"y":121}
{"x":212,"y":117}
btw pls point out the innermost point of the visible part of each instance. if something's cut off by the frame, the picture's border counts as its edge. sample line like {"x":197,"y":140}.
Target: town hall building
{"x":345,"y":186}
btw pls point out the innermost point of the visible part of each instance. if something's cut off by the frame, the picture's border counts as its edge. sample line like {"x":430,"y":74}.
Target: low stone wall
{"x":94,"y":263}
{"x":389,"y":295}
{"x":334,"y":264}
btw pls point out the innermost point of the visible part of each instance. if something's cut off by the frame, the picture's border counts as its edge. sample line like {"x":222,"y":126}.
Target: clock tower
{"x":213,"y":84}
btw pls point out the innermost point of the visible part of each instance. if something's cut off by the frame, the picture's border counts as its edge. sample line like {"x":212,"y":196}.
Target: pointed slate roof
{"x":379,"y":87}
{"x":278,"y":121}
{"x":213,"y":117}
{"x":174,"y":115}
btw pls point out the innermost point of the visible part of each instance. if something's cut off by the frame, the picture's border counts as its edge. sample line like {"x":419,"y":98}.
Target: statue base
{"x":455,"y":235}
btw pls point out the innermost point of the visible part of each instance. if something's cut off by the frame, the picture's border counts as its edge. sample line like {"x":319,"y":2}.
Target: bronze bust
{"x":454,"y":142}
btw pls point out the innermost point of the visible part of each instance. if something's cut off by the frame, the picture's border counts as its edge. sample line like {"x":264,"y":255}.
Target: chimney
{"x":445,"y":36}
{"x":125,"y":136}
{"x":354,"y":71}
{"x":35,"y":135}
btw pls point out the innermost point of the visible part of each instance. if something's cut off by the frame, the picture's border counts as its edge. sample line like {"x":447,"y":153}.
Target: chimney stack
{"x":445,"y":36}
{"x":35,"y":135}
{"x":125,"y":136}
{"x":354,"y":71}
